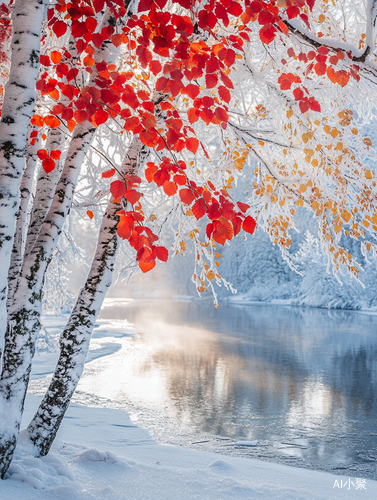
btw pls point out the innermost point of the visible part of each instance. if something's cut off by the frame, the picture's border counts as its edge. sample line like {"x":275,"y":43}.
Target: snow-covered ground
{"x":100,"y":454}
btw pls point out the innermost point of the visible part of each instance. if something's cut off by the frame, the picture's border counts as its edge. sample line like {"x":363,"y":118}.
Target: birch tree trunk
{"x":46,"y":185}
{"x":24,"y":315}
{"x":75,"y":339}
{"x":22,"y":217}
{"x":18,"y":106}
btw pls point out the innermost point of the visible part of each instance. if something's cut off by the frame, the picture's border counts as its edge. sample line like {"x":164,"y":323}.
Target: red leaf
{"x":132,"y":196}
{"x":249,"y":224}
{"x":320,"y":68}
{"x":149,"y":137}
{"x":155,"y":67}
{"x":192,"y":144}
{"x":209,"y":230}
{"x":90,"y":214}
{"x":265,"y":17}
{"x":170,"y":188}
{"x":331,"y":74}
{"x":42,"y":154}
{"x":199,"y":208}
{"x":117,"y":189}
{"x":108,"y":173}
{"x":226,"y":80}
{"x":100,"y":116}
{"x":267,"y":33}
{"x":230,"y":57}
{"x":211,"y":80}
{"x":207,"y":19}
{"x":304,"y":105}
{"x":48,"y":165}
{"x":191,"y":90}
{"x":292,"y":12}
{"x":161,"y":253}
{"x":161,"y":176}
{"x":180,"y":179}
{"x":124,"y":227}
{"x":59,"y":28}
{"x":150,"y":171}
{"x":144,"y":55}
{"x":55,"y":154}
{"x":193,"y":115}
{"x":221,"y":114}
{"x":224,"y":93}
{"x":235,"y":9}
{"x":243,"y":206}
{"x":187,"y":196}
{"x":298,"y":94}
{"x":314,"y":105}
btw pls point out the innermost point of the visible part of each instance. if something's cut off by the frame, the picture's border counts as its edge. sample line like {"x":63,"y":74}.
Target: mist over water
{"x":302,"y":382}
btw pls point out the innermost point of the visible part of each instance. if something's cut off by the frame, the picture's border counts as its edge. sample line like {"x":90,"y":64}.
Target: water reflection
{"x":301,"y":381}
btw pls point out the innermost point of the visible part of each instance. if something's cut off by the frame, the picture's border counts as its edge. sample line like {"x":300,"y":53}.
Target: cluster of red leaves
{"x":160,"y":42}
{"x":226,"y":217}
{"x":321,"y":62}
{"x":286,"y":80}
{"x":48,"y":159}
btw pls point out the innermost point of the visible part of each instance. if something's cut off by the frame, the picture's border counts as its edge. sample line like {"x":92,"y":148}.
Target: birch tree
{"x":287,"y":84}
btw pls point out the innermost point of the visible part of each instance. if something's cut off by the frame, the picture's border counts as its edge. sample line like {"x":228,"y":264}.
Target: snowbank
{"x":101,"y":455}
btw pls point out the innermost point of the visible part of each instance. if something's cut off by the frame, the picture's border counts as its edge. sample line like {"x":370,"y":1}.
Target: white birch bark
{"x":46,"y":185}
{"x":22,"y":216}
{"x":75,"y":339}
{"x":18,"y":106}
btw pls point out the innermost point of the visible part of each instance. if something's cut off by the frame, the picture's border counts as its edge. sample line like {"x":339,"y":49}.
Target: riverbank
{"x":100,"y":454}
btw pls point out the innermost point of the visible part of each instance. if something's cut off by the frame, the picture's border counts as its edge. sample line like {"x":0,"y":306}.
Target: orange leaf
{"x":146,"y":266}
{"x":56,"y":57}
{"x":108,"y":173}
{"x":170,"y":188}
{"x":52,"y":122}
{"x":90,"y":214}
{"x":37,"y":120}
{"x":71,"y":124}
{"x":192,"y":144}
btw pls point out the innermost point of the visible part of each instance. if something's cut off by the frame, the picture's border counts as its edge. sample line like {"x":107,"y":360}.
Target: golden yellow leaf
{"x":368,"y":174}
{"x":289,"y":113}
{"x":210,"y":275}
{"x":337,"y":228}
{"x":346,"y":215}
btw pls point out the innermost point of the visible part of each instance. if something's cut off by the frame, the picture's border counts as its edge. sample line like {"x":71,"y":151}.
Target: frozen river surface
{"x":299,"y":386}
